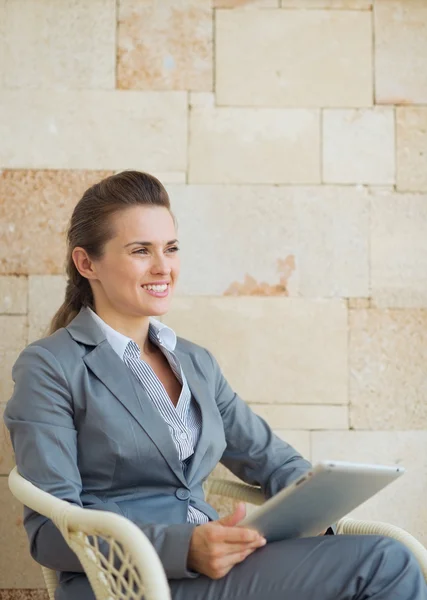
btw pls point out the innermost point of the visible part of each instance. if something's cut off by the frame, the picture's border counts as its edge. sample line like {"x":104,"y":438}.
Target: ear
{"x":84,"y":265}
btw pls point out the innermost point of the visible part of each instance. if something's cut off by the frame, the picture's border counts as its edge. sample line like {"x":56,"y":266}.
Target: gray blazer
{"x":84,"y":429}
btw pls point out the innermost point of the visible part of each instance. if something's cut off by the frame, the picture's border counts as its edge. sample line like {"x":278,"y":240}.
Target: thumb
{"x":235,"y":517}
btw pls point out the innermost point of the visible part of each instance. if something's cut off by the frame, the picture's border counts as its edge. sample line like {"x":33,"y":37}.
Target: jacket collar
{"x":83,"y":329}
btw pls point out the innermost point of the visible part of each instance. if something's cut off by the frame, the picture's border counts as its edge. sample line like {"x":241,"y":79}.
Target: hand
{"x":217,"y":546}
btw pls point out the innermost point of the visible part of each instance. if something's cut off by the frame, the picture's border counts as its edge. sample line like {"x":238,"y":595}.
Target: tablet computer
{"x":319,"y":498}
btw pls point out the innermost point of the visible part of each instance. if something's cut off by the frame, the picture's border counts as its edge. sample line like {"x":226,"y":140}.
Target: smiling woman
{"x":114,"y":412}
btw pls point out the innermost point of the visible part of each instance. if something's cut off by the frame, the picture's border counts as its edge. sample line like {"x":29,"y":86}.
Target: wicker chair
{"x":132,"y":569}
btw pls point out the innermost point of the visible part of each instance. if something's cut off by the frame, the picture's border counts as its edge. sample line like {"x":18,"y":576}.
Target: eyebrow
{"x":150,"y":243}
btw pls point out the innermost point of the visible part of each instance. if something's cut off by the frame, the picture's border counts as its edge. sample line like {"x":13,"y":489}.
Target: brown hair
{"x":90,"y":228}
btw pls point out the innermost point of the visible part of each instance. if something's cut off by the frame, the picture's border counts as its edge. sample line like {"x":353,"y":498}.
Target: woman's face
{"x":139,"y":269}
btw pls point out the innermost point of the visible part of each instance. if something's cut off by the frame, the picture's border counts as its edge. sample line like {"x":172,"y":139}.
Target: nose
{"x":160,"y":265}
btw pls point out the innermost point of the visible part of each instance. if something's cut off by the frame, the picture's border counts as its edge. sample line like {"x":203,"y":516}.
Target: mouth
{"x":158,"y":291}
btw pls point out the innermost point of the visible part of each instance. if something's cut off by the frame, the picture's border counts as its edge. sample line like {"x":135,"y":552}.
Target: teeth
{"x":156,"y":288}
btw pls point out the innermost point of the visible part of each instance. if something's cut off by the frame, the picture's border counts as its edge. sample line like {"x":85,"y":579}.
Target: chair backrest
{"x":119,"y":560}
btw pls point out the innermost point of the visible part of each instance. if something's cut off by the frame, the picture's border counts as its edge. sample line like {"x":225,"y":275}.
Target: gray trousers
{"x":338,"y":567}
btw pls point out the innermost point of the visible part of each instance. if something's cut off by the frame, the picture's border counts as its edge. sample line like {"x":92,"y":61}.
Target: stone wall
{"x":292,"y":137}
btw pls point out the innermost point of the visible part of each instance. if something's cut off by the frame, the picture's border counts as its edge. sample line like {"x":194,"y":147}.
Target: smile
{"x":159,"y":291}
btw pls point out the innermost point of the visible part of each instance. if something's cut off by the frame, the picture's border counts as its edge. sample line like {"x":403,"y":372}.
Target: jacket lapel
{"x":210,"y":417}
{"x":110,"y":369}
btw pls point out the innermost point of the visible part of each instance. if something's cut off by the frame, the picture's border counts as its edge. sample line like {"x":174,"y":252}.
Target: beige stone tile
{"x":94,"y":130}
{"x":335,"y":4}
{"x":411,"y":132}
{"x":13,"y":339}
{"x":387,"y":357}
{"x":7,"y":360}
{"x":400,"y":51}
{"x":18,"y":568}
{"x":402,"y":503}
{"x":300,"y":440}
{"x":63,"y":45}
{"x":359,"y":146}
{"x":171,"y":177}
{"x":7,"y":461}
{"x":272,"y":350}
{"x":278,"y":70}
{"x":18,"y":594}
{"x":247,"y":145}
{"x":13,"y":295}
{"x":13,"y":333}
{"x":303,"y":416}
{"x":248,"y":233}
{"x":399,"y":249}
{"x":165,"y":45}
{"x":2,"y":41}
{"x":246,"y":3}
{"x":46,"y":294}
{"x":273,"y":240}
{"x":333,"y":247}
{"x":359,"y":303}
{"x":35,"y":207}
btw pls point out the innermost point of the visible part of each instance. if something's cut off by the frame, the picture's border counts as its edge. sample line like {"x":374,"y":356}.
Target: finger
{"x":226,"y":563}
{"x":239,"y":535}
{"x":235,"y":517}
{"x":232,"y":549}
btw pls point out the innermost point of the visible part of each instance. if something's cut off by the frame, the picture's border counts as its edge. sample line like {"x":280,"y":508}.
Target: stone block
{"x":13,"y":339}
{"x":7,"y":461}
{"x":13,"y":295}
{"x":35,"y":208}
{"x":387,"y":356}
{"x":66,"y":45}
{"x":334,"y":4}
{"x":400,"y":51}
{"x":246,"y":3}
{"x":272,"y":350}
{"x":273,"y":240}
{"x":18,"y":570}
{"x":300,"y":440}
{"x":278,"y":70}
{"x":7,"y":360}
{"x":359,"y":146}
{"x":13,"y":333}
{"x":402,"y":503}
{"x":93,"y":130}
{"x":247,"y":145}
{"x":398,"y":249}
{"x":165,"y":45}
{"x":411,"y":132}
{"x":303,"y":416}
{"x":46,"y":294}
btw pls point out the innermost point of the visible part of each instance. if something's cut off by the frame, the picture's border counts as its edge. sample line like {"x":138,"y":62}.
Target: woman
{"x":113,"y":412}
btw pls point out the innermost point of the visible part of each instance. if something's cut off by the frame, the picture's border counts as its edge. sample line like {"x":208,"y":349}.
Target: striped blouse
{"x":184,"y":421}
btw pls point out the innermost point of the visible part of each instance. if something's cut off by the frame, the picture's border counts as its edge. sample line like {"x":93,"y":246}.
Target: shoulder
{"x":52,"y":351}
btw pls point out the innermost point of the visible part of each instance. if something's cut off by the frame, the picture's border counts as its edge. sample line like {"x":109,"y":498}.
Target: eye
{"x":173,"y":249}
{"x":140,"y":251}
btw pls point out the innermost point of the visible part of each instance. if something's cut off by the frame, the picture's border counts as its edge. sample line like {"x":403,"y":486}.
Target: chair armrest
{"x":235,"y":489}
{"x":355,"y":527}
{"x":131,"y":561}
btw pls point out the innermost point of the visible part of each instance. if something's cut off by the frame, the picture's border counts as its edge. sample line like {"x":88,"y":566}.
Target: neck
{"x":135,"y":328}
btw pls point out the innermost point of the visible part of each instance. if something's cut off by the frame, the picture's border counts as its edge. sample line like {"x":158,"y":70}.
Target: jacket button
{"x":182,"y":494}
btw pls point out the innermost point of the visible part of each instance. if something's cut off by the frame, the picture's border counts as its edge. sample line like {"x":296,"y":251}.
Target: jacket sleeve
{"x":40,"y":419}
{"x":254,"y":453}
